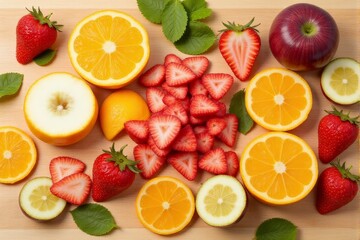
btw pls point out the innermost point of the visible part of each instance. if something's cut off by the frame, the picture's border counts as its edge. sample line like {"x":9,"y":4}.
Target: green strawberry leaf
{"x":197,"y":39}
{"x":174,"y":20}
{"x":45,"y":58}
{"x":200,"y":14}
{"x":276,"y":229}
{"x":93,"y":219}
{"x":237,"y":107}
{"x":10,"y":83}
{"x":152,"y":9}
{"x":197,"y":9}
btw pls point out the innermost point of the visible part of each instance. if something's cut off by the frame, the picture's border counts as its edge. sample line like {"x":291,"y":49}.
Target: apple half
{"x":60,"y":109}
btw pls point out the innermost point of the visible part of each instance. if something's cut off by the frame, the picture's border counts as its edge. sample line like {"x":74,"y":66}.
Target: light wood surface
{"x":343,"y":224}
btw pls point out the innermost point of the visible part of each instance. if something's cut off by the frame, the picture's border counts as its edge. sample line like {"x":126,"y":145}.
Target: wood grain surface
{"x":343,"y":224}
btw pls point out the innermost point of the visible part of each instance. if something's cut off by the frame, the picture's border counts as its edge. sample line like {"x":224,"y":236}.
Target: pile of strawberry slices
{"x":189,"y":127}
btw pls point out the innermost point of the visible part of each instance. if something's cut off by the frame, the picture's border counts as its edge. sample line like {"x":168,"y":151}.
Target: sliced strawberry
{"x":172,"y":58}
{"x":205,"y":142}
{"x":196,"y":87}
{"x":199,"y":129}
{"x":164,"y":129}
{"x":215,"y":125}
{"x":169,"y":99}
{"x":154,"y":98}
{"x":177,"y":110}
{"x":214,"y":161}
{"x":160,"y":152}
{"x":138,"y":130}
{"x":186,"y":140}
{"x":228,"y":135}
{"x":186,"y":163}
{"x":197,"y":120}
{"x":74,"y":188}
{"x":218,"y":84}
{"x":178,"y":74}
{"x":232,"y":161}
{"x":153,"y":77}
{"x":64,"y":166}
{"x":240,"y":45}
{"x":180,"y":92}
{"x":222,"y":110}
{"x":147,"y":161}
{"x":202,"y":106}
{"x":197,"y":64}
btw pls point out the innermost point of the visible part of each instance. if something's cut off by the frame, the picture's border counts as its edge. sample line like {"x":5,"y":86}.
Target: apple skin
{"x":303,"y":37}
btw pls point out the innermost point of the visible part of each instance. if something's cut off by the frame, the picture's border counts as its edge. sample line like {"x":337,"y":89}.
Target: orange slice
{"x":278,"y":168}
{"x":18,"y":154}
{"x":109,"y":48}
{"x":165,"y":205}
{"x":278,"y":99}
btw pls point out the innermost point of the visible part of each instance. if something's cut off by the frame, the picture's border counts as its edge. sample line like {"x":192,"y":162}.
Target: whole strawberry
{"x":240,"y":45}
{"x":336,"y":132}
{"x":336,"y":187}
{"x":113,"y":173}
{"x":35,"y":33}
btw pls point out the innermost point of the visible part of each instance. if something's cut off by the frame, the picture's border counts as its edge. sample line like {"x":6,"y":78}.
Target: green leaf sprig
{"x":45,"y":57}
{"x":237,"y":107}
{"x":181,"y":23}
{"x":276,"y":229}
{"x":10,"y":83}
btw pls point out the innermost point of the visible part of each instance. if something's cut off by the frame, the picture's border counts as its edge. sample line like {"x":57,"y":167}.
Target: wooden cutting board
{"x":343,"y":224}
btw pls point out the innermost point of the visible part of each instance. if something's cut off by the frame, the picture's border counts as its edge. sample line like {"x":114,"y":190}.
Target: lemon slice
{"x":340,"y":81}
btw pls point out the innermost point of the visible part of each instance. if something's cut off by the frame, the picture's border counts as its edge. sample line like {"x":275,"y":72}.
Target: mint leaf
{"x":197,"y":39}
{"x":152,"y":9}
{"x":93,"y":219}
{"x":174,"y":20}
{"x":237,"y":107}
{"x":10,"y":83}
{"x":45,"y":58}
{"x":276,"y":229}
{"x":197,"y":9}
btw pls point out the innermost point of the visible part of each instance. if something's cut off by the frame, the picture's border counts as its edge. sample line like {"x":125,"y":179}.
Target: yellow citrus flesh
{"x":18,"y":154}
{"x":278,"y":168}
{"x":340,"y":81}
{"x":119,"y":107}
{"x":109,"y":48}
{"x":278,"y":99}
{"x":60,"y":109}
{"x":38,"y":202}
{"x":165,"y":205}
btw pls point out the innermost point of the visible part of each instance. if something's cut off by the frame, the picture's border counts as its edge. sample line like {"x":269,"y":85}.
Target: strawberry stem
{"x":344,"y":117}
{"x":38,"y":15}
{"x":238,"y":27}
{"x":345,"y":172}
{"x":121,"y":160}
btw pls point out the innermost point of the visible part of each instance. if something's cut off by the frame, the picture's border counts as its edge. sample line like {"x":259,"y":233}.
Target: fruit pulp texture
{"x":344,"y":81}
{"x":109,"y":47}
{"x":220,"y":201}
{"x":284,"y":173}
{"x":42,"y":199}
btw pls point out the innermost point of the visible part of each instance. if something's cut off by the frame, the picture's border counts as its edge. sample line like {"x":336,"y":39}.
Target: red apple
{"x":303,"y":37}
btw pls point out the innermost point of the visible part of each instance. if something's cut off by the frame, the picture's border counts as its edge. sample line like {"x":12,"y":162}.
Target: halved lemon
{"x":278,"y":99}
{"x":18,"y":154}
{"x":278,"y":168}
{"x":340,"y":81}
{"x":109,"y":48}
{"x":221,"y":200}
{"x":165,"y":205}
{"x":38,"y":202}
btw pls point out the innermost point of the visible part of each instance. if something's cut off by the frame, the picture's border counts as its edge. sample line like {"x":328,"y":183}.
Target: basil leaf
{"x":10,"y":83}
{"x":174,"y":20}
{"x":93,"y":219}
{"x":45,"y":58}
{"x":152,"y":9}
{"x":237,"y":107}
{"x":276,"y":229}
{"x":197,"y":39}
{"x":197,"y":9}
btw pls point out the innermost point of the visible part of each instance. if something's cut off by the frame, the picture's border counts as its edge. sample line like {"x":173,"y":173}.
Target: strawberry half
{"x":164,"y":129}
{"x":153,"y":77}
{"x":214,"y":161}
{"x":64,"y":166}
{"x":147,"y":161}
{"x":178,"y":74}
{"x":74,"y":188}
{"x":138,"y":130}
{"x":185,"y":163}
{"x":240,"y":45}
{"x":218,"y":84}
{"x":197,"y":64}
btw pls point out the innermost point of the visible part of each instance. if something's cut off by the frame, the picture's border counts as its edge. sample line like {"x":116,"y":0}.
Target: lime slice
{"x":340,"y":81}
{"x":221,"y":201}
{"x":37,"y":202}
